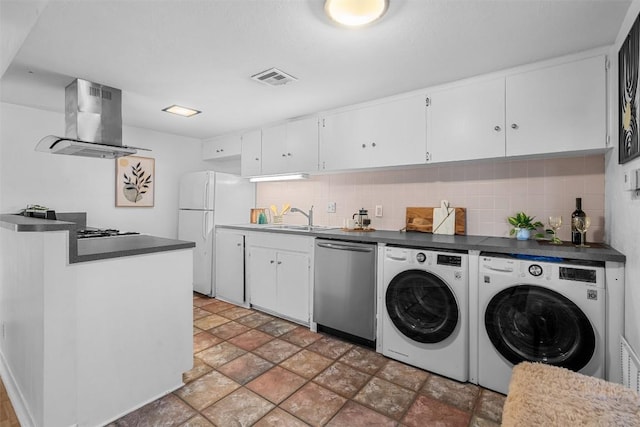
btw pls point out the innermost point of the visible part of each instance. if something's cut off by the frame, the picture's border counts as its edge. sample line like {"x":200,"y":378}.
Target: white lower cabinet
{"x":229,"y":269}
{"x":279,"y":273}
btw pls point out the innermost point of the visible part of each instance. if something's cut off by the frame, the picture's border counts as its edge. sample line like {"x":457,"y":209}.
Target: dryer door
{"x":422,"y":306}
{"x":535,"y":324}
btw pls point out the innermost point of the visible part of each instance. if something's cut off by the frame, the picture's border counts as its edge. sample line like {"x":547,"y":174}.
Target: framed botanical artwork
{"x":135,"y":181}
{"x":628,"y":64}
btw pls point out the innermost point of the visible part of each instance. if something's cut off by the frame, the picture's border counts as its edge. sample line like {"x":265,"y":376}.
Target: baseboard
{"x":630,"y":366}
{"x":17,"y":400}
{"x":152,"y":399}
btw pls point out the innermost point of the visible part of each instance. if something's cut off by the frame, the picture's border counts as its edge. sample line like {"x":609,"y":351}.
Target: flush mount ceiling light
{"x":355,"y":13}
{"x":181,"y":111}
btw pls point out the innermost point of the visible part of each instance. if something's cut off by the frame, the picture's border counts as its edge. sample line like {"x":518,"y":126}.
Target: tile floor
{"x":251,"y":368}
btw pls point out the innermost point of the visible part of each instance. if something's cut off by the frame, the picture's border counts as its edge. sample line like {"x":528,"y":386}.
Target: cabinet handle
{"x":221,"y":150}
{"x":271,"y":262}
{"x":279,"y":262}
{"x":497,"y":128}
{"x":373,"y":144}
{"x":288,"y":154}
{"x":238,"y":244}
{"x":257,"y":159}
{"x":284,"y":155}
{"x":364,"y":145}
{"x":514,"y":126}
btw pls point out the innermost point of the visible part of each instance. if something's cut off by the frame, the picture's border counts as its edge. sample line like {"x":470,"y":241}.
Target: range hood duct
{"x":93,"y":118}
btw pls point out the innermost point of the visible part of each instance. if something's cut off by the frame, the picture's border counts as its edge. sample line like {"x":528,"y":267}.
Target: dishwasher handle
{"x":345,"y":247}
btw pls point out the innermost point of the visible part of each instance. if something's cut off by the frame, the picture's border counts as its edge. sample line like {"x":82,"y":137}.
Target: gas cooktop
{"x":108,"y":232}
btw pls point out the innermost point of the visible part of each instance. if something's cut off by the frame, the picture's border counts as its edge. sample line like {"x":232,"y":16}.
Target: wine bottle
{"x":576,"y":237}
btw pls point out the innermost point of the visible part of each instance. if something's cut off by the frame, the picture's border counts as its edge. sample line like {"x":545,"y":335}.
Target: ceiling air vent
{"x":273,"y":77}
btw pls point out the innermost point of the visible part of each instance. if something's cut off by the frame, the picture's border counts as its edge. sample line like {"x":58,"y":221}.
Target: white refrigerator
{"x":206,"y":200}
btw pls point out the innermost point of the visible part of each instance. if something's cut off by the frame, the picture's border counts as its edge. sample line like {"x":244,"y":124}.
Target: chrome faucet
{"x":309,"y":215}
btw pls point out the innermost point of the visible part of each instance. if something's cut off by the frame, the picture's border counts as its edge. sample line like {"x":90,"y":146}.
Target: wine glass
{"x":555,"y":222}
{"x":582,"y":225}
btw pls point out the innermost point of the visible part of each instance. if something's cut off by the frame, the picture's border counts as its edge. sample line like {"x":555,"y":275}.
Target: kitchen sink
{"x":300,"y":227}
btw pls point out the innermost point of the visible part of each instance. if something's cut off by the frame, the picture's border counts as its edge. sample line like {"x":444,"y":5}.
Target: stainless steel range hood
{"x":93,"y":118}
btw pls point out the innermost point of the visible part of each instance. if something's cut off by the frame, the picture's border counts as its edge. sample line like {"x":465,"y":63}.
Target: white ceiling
{"x":201,"y":53}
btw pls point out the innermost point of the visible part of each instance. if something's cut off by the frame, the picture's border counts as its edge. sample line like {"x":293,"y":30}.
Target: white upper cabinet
{"x":222,"y":147}
{"x":557,"y":109}
{"x":290,"y":147}
{"x":251,"y":159}
{"x":390,"y":133}
{"x":466,"y":122}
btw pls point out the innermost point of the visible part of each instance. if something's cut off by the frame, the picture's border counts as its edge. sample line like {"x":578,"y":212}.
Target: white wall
{"x":622,"y":208}
{"x":79,"y":184}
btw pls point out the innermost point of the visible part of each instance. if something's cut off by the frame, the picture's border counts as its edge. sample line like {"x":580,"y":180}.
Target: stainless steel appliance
{"x":344,"y":302}
{"x":93,"y":119}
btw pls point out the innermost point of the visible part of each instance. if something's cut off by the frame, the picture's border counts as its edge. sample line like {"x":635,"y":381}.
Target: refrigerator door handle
{"x":205,"y":225}
{"x":206,"y":193}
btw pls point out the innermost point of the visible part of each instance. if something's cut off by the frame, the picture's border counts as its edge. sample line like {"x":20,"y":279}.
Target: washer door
{"x":535,"y":324}
{"x":422,"y":306}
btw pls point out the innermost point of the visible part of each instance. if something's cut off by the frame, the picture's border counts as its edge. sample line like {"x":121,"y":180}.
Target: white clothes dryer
{"x":539,"y":309}
{"x":424,"y":305}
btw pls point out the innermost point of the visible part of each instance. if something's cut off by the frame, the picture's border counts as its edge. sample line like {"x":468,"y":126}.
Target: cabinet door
{"x":293,"y":285}
{"x":274,"y":149}
{"x":557,"y":109}
{"x":262,"y":278}
{"x":221,"y":148}
{"x":302,"y":145}
{"x":251,"y":158}
{"x":341,"y":138}
{"x":230,"y":266}
{"x":391,"y":133}
{"x":466,"y":122}
{"x":398,"y":134}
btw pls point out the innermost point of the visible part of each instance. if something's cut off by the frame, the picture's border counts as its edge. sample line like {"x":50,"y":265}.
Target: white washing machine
{"x":539,"y":309}
{"x":424,"y":305}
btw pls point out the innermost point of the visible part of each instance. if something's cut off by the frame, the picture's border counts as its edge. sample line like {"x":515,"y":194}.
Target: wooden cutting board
{"x":421,"y":219}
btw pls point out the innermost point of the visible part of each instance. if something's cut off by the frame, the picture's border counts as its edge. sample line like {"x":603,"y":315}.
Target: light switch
{"x":378,"y":211}
{"x":632,"y":180}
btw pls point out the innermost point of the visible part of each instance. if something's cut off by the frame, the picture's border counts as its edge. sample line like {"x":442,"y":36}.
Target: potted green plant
{"x":523,"y":225}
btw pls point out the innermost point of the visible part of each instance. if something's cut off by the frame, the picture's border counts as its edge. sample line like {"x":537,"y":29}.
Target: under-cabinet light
{"x":181,"y":111}
{"x":291,"y":177}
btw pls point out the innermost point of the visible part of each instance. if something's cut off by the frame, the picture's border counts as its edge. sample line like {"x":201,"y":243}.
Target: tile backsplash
{"x":489,"y":190}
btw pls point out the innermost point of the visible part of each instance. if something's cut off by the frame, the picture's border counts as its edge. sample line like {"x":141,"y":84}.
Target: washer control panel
{"x":452,"y":260}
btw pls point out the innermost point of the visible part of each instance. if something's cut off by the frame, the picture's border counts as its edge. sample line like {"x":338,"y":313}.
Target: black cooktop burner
{"x":108,"y":232}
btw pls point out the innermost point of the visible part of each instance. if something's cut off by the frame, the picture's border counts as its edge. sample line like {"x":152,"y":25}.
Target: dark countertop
{"x":97,"y":248}
{"x":502,"y":245}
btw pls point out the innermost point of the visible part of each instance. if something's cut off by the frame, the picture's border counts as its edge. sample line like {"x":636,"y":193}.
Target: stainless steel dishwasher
{"x":344,"y":296}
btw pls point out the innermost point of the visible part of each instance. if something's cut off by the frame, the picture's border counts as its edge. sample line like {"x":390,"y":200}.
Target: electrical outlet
{"x":378,"y":211}
{"x":331,"y":207}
